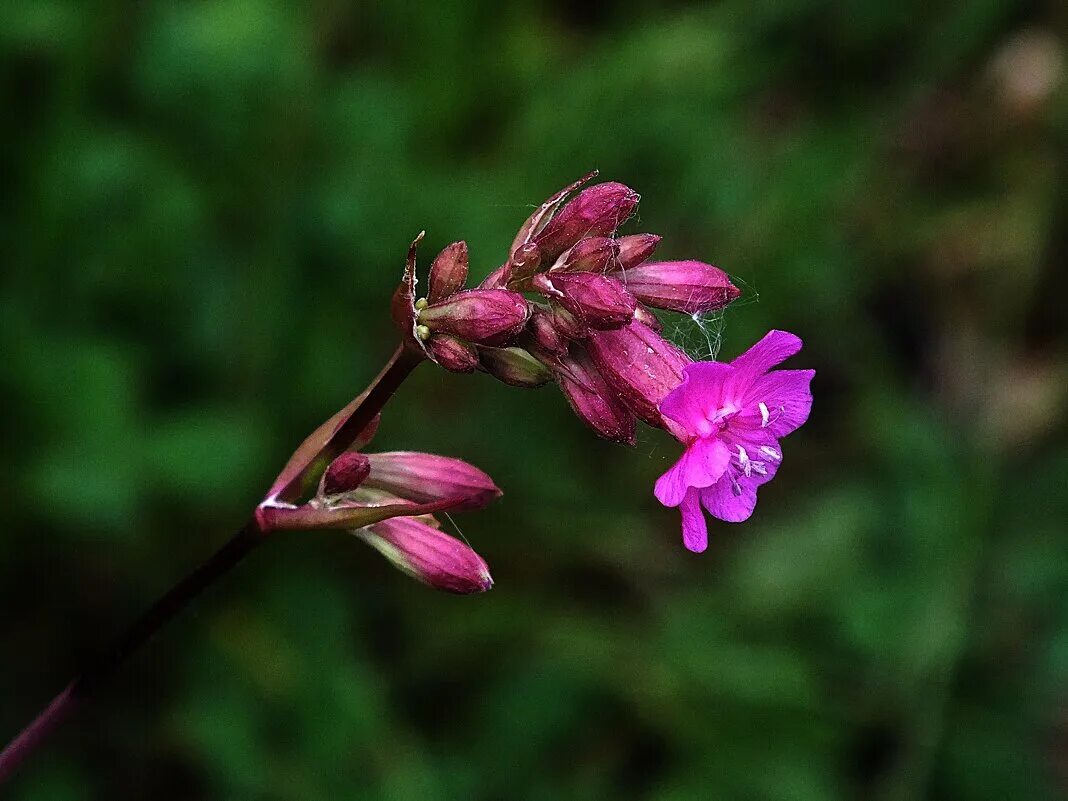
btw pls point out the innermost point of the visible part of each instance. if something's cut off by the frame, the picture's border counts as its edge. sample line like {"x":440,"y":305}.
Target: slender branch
{"x":317,"y":451}
{"x":105,"y":666}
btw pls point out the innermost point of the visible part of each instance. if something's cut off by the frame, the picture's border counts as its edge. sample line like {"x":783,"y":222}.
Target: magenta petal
{"x":774,"y":348}
{"x":694,"y":402}
{"x":700,"y":465}
{"x":694,"y":525}
{"x":729,"y":500}
{"x":754,"y":459}
{"x":787,"y":401}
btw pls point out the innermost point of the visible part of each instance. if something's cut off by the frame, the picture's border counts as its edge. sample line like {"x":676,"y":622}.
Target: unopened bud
{"x":453,"y":354}
{"x":429,"y":555}
{"x":544,"y":333}
{"x":482,"y":316}
{"x":596,"y":211}
{"x":640,"y":365}
{"x":448,"y":272}
{"x":692,"y":287}
{"x":346,"y":473}
{"x":594,"y":402}
{"x":498,"y":279}
{"x":514,"y":366}
{"x":635,"y":249}
{"x":596,"y":300}
{"x":595,"y":254}
{"x":524,"y":262}
{"x":567,"y":324}
{"x":427,"y":477}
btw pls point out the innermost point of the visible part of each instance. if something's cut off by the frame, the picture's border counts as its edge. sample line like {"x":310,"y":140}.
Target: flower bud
{"x":514,"y":366}
{"x":453,"y":354}
{"x":346,"y":473}
{"x":596,"y":211}
{"x":482,"y":316}
{"x":635,"y":249}
{"x":541,"y":215}
{"x":567,"y":324}
{"x":595,"y":254}
{"x":596,"y":300}
{"x":640,"y":365}
{"x":645,"y":316}
{"x":498,"y":279}
{"x":448,"y":272}
{"x":592,"y":399}
{"x":429,"y":555}
{"x":685,"y":286}
{"x":544,"y":333}
{"x":427,"y":477}
{"x":524,"y":262}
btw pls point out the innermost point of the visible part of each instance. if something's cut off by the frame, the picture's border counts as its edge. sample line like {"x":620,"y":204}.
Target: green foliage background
{"x":205,"y":207}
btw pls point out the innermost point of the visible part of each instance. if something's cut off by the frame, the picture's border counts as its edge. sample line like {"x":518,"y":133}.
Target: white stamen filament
{"x":749,"y":466}
{"x":771,"y":453}
{"x":765,"y":418}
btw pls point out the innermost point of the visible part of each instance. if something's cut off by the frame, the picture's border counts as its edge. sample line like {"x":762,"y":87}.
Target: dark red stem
{"x":185,"y":591}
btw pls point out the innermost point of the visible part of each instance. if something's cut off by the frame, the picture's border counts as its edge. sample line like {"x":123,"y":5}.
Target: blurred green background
{"x":205,"y":208}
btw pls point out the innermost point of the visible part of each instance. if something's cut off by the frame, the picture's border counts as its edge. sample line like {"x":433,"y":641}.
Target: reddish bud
{"x":596,"y":211}
{"x":427,"y":477}
{"x":514,"y":366}
{"x":596,"y":300}
{"x":536,"y":221}
{"x":685,"y":286}
{"x":635,"y":249}
{"x":640,"y":365}
{"x":453,"y":354}
{"x":448,"y":272}
{"x":498,"y":279}
{"x":524,"y":262}
{"x":429,"y":555}
{"x":595,"y":402}
{"x":346,"y":473}
{"x":567,"y":324}
{"x":544,"y":333}
{"x":594,"y":255}
{"x":482,"y":316}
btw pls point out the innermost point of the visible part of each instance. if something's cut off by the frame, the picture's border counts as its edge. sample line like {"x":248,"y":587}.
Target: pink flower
{"x":732,"y":416}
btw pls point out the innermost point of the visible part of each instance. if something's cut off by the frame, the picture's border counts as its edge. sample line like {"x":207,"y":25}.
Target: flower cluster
{"x":586,"y":319}
{"x":572,"y":304}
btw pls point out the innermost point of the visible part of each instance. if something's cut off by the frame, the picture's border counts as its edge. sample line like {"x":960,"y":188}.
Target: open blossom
{"x":732,"y":417}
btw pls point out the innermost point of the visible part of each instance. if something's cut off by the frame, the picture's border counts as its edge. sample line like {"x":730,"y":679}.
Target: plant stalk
{"x":104,"y":667}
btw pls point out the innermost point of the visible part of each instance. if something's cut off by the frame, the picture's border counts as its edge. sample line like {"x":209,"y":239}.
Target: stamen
{"x":771,"y":453}
{"x":765,"y":418}
{"x":743,"y":461}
